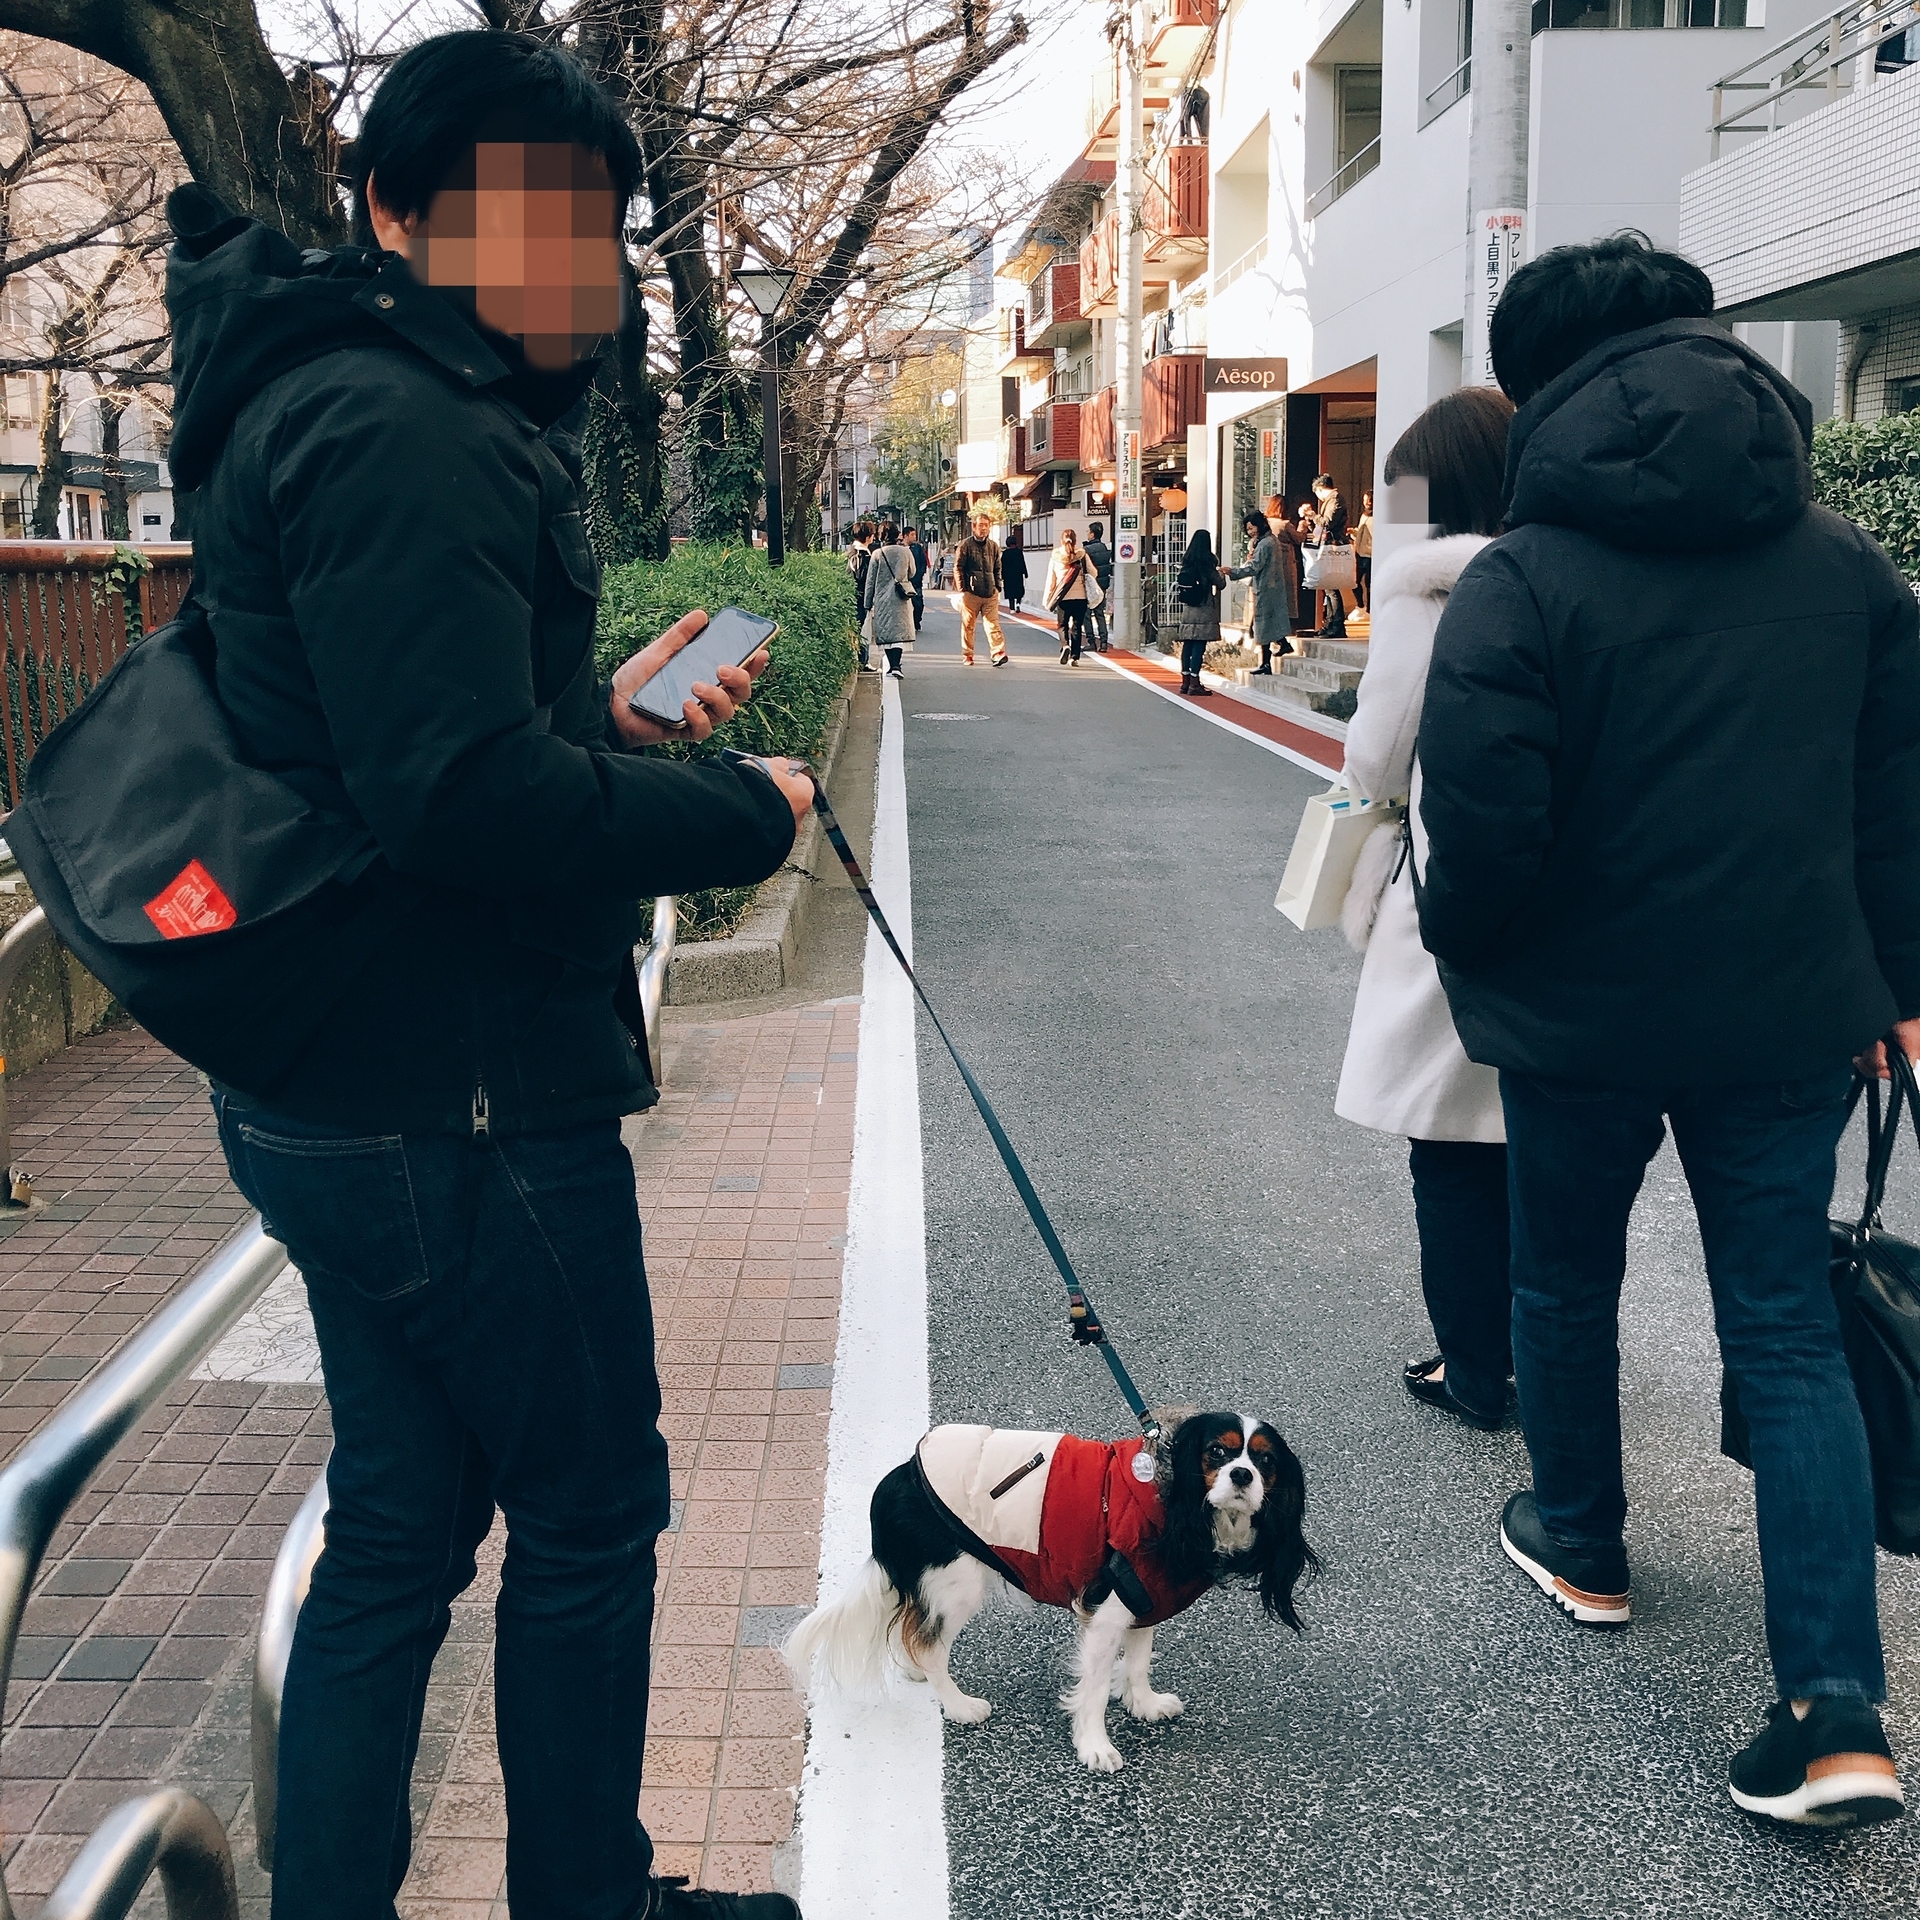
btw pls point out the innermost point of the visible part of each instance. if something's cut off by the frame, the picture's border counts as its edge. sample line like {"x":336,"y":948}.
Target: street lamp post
{"x":767,"y":287}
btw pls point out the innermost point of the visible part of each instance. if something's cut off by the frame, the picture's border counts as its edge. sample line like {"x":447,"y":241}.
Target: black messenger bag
{"x":189,"y":882}
{"x":1876,"y":1287}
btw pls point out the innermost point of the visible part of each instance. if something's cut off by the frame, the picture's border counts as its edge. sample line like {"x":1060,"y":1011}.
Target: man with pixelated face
{"x":392,"y":555}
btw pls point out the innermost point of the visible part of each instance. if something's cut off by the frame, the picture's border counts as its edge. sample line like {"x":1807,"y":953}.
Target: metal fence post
{"x":655,"y":958}
{"x":26,"y":940}
{"x":279,"y":1614}
{"x":168,"y":1831}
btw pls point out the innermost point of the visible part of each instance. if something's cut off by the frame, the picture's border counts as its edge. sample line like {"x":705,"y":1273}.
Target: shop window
{"x":1637,"y":15}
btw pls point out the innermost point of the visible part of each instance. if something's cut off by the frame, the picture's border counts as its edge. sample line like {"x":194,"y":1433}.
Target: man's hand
{"x":1874,"y":1061}
{"x":792,"y":780}
{"x":711,"y":706}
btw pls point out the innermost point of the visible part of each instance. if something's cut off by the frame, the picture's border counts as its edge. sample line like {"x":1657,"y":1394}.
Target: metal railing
{"x":655,"y":959}
{"x":1456,"y":86}
{"x":1814,"y":59}
{"x":1349,"y":177}
{"x":1237,"y":269}
{"x":36,"y":1488}
{"x":26,"y":940}
{"x":287,"y":1588}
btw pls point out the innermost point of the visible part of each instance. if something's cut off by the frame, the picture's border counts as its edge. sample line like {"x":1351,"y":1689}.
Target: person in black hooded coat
{"x":1671,"y":760}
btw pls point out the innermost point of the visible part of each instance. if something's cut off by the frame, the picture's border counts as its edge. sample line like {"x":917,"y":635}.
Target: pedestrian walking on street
{"x":1671,"y":780}
{"x":859,"y":554}
{"x":889,"y":599}
{"x":1013,"y":570}
{"x":1363,"y":554}
{"x":1405,"y":1070}
{"x":1100,"y":557}
{"x":977,"y":567}
{"x":1286,"y":535}
{"x":434,"y":1130}
{"x":920,"y":563}
{"x":1272,"y":579}
{"x":1066,"y":596}
{"x":1198,"y":586}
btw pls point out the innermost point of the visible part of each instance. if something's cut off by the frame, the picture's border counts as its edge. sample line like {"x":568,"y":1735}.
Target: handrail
{"x":1462,"y":73}
{"x":1819,"y":53}
{"x":1244,"y":265}
{"x":1362,"y":164}
{"x":74,"y":1442}
{"x":279,"y":1613}
{"x":26,"y":940}
{"x":654,"y":962}
{"x":169,"y":1830}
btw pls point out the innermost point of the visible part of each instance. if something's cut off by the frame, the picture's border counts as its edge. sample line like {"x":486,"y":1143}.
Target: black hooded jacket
{"x":1671,"y":744}
{"x":390,"y":553}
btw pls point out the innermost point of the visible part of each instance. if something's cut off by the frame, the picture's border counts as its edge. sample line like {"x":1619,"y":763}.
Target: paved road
{"x":1093,"y":873}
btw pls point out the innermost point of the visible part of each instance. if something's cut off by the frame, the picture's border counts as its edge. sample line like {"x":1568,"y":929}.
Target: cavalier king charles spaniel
{"x":1126,"y":1533}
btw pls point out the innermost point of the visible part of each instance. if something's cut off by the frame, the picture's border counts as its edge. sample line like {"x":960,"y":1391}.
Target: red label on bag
{"x":192,"y":905}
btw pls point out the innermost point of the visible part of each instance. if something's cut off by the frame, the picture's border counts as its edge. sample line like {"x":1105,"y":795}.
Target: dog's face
{"x":1235,"y":1496}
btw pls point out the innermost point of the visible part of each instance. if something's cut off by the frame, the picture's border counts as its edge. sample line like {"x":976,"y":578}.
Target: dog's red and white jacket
{"x":1053,"y":1509}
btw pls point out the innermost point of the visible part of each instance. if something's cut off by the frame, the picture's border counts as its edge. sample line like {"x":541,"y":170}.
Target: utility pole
{"x":1498,"y":101}
{"x":1124,"y":28}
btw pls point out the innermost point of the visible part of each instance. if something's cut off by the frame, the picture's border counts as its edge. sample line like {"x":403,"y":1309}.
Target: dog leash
{"x":1083,"y":1321}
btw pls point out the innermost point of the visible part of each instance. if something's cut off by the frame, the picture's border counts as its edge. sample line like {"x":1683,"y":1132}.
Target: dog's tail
{"x":847,"y":1639}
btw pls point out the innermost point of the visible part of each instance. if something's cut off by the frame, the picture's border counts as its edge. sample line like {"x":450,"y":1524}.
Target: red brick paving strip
{"x":135,"y":1659}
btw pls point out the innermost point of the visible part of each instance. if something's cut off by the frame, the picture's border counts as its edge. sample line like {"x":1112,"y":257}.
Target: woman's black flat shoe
{"x":1435,"y":1393}
{"x":1419,"y":1369}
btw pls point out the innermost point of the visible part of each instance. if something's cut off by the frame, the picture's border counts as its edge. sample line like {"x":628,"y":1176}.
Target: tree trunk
{"x":53,"y":463}
{"x":113,"y":474}
{"x":625,"y":490}
{"x":244,"y":128}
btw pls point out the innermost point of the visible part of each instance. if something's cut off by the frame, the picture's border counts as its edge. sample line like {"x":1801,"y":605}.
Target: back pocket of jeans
{"x":344,"y":1208}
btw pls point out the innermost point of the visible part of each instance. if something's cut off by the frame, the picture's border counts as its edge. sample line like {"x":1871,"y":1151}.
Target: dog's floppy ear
{"x":1186,"y":1547}
{"x":1280,"y":1551}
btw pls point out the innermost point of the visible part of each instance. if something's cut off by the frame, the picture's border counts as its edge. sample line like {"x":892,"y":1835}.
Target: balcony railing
{"x":1103,"y":101}
{"x":1100,"y":267}
{"x":1096,"y":429}
{"x":1176,"y":204}
{"x":1455,"y":87}
{"x":1349,"y":177}
{"x":1241,"y":267}
{"x":1173,"y":397}
{"x":1013,"y":338}
{"x":1053,"y":300}
{"x":1053,"y":435}
{"x":1014,"y":454}
{"x":1847,"y":50}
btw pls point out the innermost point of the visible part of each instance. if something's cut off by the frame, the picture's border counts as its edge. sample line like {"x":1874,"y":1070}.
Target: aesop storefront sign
{"x":1246,"y":376}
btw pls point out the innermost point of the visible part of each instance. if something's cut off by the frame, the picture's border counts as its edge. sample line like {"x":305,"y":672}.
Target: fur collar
{"x":1427,"y":567}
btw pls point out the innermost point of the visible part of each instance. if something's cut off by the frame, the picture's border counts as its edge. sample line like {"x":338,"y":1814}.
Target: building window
{"x":1357,"y":113}
{"x":1637,"y":15}
{"x":1903,"y":396}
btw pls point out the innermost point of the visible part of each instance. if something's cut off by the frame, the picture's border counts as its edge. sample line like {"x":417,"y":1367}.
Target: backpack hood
{"x":1671,"y":439}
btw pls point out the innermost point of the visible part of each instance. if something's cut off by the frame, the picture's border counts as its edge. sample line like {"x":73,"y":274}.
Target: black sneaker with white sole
{"x":670,"y":1898}
{"x":1832,"y":1769}
{"x":1592,"y":1587}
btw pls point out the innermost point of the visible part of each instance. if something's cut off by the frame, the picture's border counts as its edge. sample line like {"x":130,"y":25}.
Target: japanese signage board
{"x":1130,"y":467}
{"x":1245,"y":376}
{"x":1499,"y":240}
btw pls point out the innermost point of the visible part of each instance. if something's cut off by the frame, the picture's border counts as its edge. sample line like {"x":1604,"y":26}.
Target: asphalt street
{"x":1093,"y":875}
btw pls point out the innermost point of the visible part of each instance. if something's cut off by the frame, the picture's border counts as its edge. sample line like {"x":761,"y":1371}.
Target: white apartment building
{"x":1308,"y":205}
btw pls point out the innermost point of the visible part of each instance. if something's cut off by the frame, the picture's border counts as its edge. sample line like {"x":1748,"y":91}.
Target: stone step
{"x":1285,"y":691}
{"x":1322,"y":674}
{"x":1345,"y":653}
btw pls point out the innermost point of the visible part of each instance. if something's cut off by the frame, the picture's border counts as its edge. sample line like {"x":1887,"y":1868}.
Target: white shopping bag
{"x":1320,"y":868}
{"x":1331,"y":567}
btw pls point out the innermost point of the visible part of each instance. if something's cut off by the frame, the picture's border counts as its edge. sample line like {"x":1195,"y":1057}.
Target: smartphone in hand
{"x":730,"y":639}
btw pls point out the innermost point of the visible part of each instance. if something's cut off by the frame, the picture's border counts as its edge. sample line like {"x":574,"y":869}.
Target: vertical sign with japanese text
{"x":1499,"y":239}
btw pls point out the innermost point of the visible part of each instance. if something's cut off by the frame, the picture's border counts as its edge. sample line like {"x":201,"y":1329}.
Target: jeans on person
{"x":486,"y":1337}
{"x":1072,"y":615}
{"x":1759,"y":1160}
{"x":893,"y":659}
{"x":1193,"y":656}
{"x":1097,"y":622}
{"x":974,"y":608}
{"x":1460,"y":1207}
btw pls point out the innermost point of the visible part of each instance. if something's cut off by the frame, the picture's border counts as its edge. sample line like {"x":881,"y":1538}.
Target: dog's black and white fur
{"x":1234,"y":1497}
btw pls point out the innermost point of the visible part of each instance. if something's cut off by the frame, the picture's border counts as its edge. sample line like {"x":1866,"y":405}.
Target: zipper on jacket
{"x":482,"y":1119}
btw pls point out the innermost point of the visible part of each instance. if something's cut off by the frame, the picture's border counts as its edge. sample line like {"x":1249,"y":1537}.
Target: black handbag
{"x":1876,"y":1287}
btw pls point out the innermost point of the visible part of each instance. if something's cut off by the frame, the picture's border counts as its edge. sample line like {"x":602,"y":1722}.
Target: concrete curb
{"x":759,"y":958}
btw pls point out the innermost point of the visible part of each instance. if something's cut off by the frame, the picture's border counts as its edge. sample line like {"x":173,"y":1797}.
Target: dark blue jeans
{"x":1759,"y":1160}
{"x":1193,"y":655}
{"x":1460,"y":1205}
{"x":487,"y":1339}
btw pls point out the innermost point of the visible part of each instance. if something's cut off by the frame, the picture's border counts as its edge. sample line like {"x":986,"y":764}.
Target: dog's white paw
{"x":1099,"y":1753}
{"x":1155,"y":1706}
{"x":967,"y":1711}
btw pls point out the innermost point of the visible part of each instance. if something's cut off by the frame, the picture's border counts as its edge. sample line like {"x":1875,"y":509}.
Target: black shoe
{"x":671,"y":1898}
{"x":1258,"y":671}
{"x":1002,"y":661}
{"x":1832,"y":1769}
{"x":1593,"y":1587}
{"x":1063,"y":656}
{"x":1436,"y":1393}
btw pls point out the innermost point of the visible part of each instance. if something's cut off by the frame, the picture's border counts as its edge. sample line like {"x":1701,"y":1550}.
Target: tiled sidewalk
{"x":135,"y":1660}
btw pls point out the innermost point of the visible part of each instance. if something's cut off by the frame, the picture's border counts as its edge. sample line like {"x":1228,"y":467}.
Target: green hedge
{"x":1871,"y":473}
{"x":793,"y":701}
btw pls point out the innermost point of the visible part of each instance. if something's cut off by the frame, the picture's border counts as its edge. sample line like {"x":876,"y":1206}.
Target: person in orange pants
{"x":977,"y":572}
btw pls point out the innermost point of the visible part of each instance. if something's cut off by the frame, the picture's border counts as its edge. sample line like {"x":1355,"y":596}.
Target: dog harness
{"x":1064,"y":1519}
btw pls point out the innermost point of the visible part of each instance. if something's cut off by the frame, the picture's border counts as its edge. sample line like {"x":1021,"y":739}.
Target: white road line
{"x":1186,"y":705}
{"x":873,"y":1836}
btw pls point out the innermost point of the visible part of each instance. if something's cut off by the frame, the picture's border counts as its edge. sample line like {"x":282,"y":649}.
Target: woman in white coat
{"x":1405,"y":1070}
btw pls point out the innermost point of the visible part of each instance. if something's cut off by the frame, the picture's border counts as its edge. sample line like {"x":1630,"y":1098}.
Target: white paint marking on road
{"x":873,"y":1834}
{"x":1186,"y":705}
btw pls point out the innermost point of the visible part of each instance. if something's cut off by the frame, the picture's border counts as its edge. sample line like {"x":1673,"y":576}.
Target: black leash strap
{"x":1084,"y":1321}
